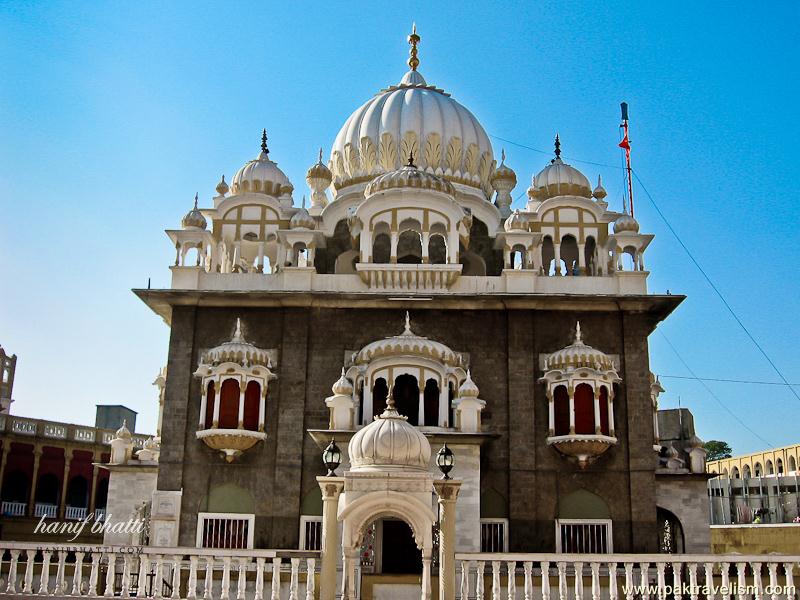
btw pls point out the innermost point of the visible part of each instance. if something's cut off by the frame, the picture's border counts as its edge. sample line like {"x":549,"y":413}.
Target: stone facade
{"x":503,"y":347}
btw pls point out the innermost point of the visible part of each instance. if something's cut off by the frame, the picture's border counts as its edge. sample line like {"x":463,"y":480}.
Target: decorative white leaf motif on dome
{"x":484,"y":171}
{"x":337,"y":162}
{"x":433,"y":151}
{"x":410,"y":145}
{"x":454,"y":156}
{"x":369,"y":156}
{"x":388,"y":152}
{"x":471,"y":160}
{"x":352,"y":162}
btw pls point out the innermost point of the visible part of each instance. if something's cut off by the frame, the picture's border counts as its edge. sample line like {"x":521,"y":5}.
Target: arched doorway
{"x":389,"y":548}
{"x":670,"y":532}
{"x":406,"y":397}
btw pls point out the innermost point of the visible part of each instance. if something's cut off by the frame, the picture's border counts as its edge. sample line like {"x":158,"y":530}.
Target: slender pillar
{"x":426,"y":238}
{"x":393,"y":253}
{"x":217,"y":401}
{"x":262,"y":407}
{"x":447,"y":491}
{"x":557,"y":255}
{"x":426,"y":575}
{"x":571,"y":392}
{"x":62,"y":502}
{"x":37,"y":455}
{"x":597,"y":428}
{"x":551,"y":413}
{"x":242,"y":387}
{"x":610,"y":413}
{"x":93,"y":489}
{"x":331,"y":489}
{"x":421,"y":406}
{"x":203,"y":404}
{"x":581,"y":259}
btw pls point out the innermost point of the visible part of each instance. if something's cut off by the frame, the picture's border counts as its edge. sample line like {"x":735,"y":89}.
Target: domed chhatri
{"x":222,"y":187}
{"x":342,"y":386}
{"x":261,"y":175}
{"x":625,"y":223}
{"x":389,"y":443}
{"x":301,"y":219}
{"x":413,"y":117}
{"x":237,"y":350}
{"x":578,"y":355}
{"x":194,"y":219}
{"x":559,"y":179}
{"x":516,"y":222}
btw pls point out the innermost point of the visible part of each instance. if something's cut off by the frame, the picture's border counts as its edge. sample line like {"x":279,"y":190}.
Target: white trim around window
{"x":225,"y":530}
{"x":494,"y":535}
{"x":584,"y":536}
{"x":310,"y":532}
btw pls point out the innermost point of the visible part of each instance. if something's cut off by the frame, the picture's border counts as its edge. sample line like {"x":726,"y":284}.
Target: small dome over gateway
{"x":409,"y":177}
{"x":389,"y":443}
{"x":261,"y":175}
{"x":559,"y":179}
{"x":301,"y":219}
{"x":625,"y":222}
{"x":238,"y":350}
{"x":578,"y":355}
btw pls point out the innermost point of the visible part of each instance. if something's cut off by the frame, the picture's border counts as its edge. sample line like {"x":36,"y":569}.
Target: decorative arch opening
{"x":569,"y":254}
{"x":747,"y":472}
{"x":770,"y":467}
{"x":431,"y":397}
{"x":584,"y":409}
{"x":409,"y":247}
{"x":437,"y":249}
{"x":78,"y":492}
{"x":628,"y":259}
{"x":548,"y":256}
{"x":229,"y":404}
{"x":604,"y":420}
{"x":47,"y":490}
{"x":792,"y":464}
{"x":15,"y":487}
{"x":381,"y":249}
{"x":590,"y":253}
{"x":299,"y":255}
{"x":405,"y":394}
{"x":210,"y":399}
{"x":380,"y":393}
{"x":561,"y":410}
{"x":758,"y":470}
{"x":670,"y":532}
{"x":583,"y":504}
{"x":735,"y":473}
{"x":519,"y":257}
{"x":252,"y":402}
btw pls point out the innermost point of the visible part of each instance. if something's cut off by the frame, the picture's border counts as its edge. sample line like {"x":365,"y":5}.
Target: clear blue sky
{"x":114,"y":114}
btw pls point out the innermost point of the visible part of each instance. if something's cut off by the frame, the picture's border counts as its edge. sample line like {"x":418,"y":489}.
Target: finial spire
{"x":413,"y":39}
{"x":304,"y":201}
{"x":408,"y":323}
{"x":411,"y":159}
{"x":237,"y":334}
{"x":558,"y":147}
{"x":320,"y":156}
{"x":264,"y":148}
{"x":502,"y":156}
{"x":578,"y":336}
{"x":196,"y":194}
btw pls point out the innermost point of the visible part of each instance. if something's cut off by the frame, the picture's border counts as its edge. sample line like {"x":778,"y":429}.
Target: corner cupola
{"x":559,"y":179}
{"x":261,"y":175}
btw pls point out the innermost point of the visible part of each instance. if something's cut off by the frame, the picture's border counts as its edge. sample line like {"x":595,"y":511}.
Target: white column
{"x":331,"y":489}
{"x":203,"y":403}
{"x":262,"y":406}
{"x":571,"y":392}
{"x":551,"y":416}
{"x":260,"y":264}
{"x":242,"y":386}
{"x":421,"y":407}
{"x":426,"y":576}
{"x":507,"y":258}
{"x":366,"y":410}
{"x":217,"y":397}
{"x":426,"y":238}
{"x":557,"y":255}
{"x":597,"y":429}
{"x":365,"y":247}
{"x":444,"y":406}
{"x":395,"y":237}
{"x":610,"y":413}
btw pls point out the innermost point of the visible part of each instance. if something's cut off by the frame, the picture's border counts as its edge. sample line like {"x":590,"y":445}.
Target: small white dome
{"x":261,"y":175}
{"x":123,"y":432}
{"x":222,"y":187}
{"x":301,"y":219}
{"x":194,"y":219}
{"x":559,"y":179}
{"x":578,"y":355}
{"x":468,"y":388}
{"x":625,"y":222}
{"x":599,"y":192}
{"x":389,"y":443}
{"x":238,"y":350}
{"x":516,"y":222}
{"x":409,"y":177}
{"x":342,"y":387}
{"x":504,"y":176}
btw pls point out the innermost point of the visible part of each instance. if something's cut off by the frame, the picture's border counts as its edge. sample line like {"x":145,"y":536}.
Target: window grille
{"x":494,"y":535}
{"x":225,"y":530}
{"x":584,"y":536}
{"x":310,"y":533}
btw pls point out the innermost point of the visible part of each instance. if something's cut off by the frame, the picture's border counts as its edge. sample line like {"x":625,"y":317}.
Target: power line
{"x":716,"y":290}
{"x":550,"y":153}
{"x":717,"y":379}
{"x":711,"y":393}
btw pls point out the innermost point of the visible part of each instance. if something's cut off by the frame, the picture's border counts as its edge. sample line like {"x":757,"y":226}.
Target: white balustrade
{"x":45,"y":510}
{"x":625,"y":576}
{"x":36,"y":570}
{"x":55,"y":430}
{"x":23,"y":426}
{"x":13,"y":509}
{"x":75,"y":513}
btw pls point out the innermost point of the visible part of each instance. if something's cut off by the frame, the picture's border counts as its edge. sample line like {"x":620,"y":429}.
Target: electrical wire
{"x":720,"y":380}
{"x":711,"y":393}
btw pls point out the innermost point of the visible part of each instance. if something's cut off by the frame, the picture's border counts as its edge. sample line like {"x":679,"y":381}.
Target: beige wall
{"x":756,"y":539}
{"x":789,"y":455}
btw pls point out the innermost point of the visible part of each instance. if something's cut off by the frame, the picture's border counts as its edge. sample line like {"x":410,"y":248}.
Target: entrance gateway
{"x":385,"y":498}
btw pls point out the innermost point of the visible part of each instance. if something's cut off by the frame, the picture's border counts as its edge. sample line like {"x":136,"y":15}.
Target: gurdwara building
{"x":408,"y":307}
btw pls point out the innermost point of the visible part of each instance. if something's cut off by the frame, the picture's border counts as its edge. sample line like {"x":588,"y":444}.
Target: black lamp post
{"x":332,"y":457}
{"x":445,"y":461}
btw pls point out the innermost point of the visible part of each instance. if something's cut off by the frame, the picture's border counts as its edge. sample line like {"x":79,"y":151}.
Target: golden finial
{"x":413,"y":39}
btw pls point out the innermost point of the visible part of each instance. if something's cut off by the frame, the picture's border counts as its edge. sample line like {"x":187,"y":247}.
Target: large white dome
{"x":413,"y":117}
{"x":389,"y":443}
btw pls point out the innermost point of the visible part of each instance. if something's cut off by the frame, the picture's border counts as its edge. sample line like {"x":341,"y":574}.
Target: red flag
{"x":625,"y":143}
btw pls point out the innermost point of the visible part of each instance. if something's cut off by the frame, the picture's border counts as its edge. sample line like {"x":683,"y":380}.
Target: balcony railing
{"x":105,"y":571}
{"x":75,"y":513}
{"x":13,"y":509}
{"x":61,"y":431}
{"x":624,"y":576}
{"x":45,"y":510}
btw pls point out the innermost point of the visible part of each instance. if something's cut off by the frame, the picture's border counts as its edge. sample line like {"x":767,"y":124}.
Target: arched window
{"x":409,"y":248}
{"x":451,"y":394}
{"x":437,"y":249}
{"x":431,"y":395}
{"x":746,"y":473}
{"x":757,"y":469}
{"x":406,"y":397}
{"x":792,"y":464}
{"x":15,"y":487}
{"x":671,"y":538}
{"x":735,"y":473}
{"x":210,"y":399}
{"x":589,"y":256}
{"x":518,"y":260}
{"x":47,"y":490}
{"x":770,"y":468}
{"x":380,"y":392}
{"x":628,"y":259}
{"x":252,"y":402}
{"x":548,"y":256}
{"x":561,"y":410}
{"x":569,"y":254}
{"x":78,"y":492}
{"x":604,"y":425}
{"x":300,"y":256}
{"x":381,"y":249}
{"x":584,"y":409}
{"x":229,"y":404}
